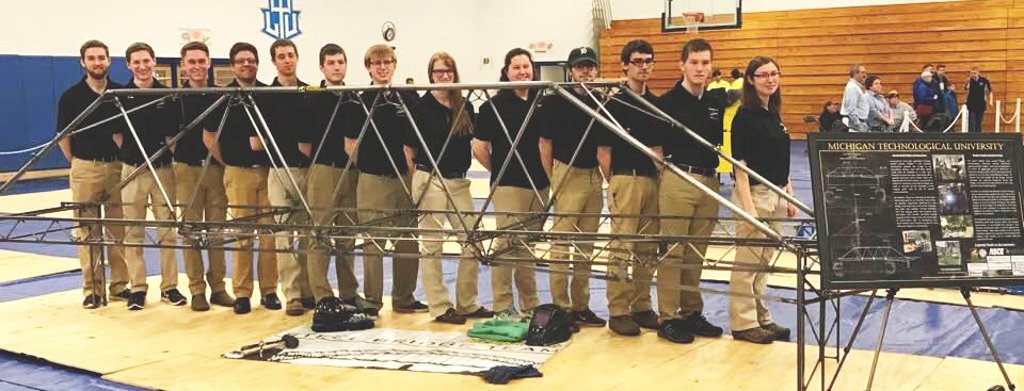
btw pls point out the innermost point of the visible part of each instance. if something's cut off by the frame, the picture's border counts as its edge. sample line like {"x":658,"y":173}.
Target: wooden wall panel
{"x":816,"y":47}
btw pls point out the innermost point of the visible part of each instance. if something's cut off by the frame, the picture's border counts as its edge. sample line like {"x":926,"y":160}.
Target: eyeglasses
{"x":243,"y":61}
{"x":440,"y":72}
{"x":767,"y":75}
{"x":642,"y":62}
{"x":381,"y":63}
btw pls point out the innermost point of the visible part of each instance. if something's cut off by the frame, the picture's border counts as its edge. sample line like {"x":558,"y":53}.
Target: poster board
{"x":897,"y":210}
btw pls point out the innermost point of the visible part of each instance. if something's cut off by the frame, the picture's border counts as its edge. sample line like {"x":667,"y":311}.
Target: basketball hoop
{"x":692,"y":21}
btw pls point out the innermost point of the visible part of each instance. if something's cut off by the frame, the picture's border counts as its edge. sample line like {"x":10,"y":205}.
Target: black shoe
{"x":92,"y":301}
{"x":481,"y":313}
{"x":137,"y":301}
{"x":271,"y":302}
{"x":308,"y":303}
{"x":675,"y":330}
{"x":242,"y":305}
{"x":222,"y":299}
{"x":697,"y":324}
{"x":588,"y":318}
{"x":646,"y":319}
{"x":362,"y":305}
{"x":122,"y":295}
{"x":755,"y":335}
{"x":415,"y":306}
{"x":780,"y":333}
{"x":624,"y":325}
{"x":173,"y":297}
{"x":333,"y":315}
{"x":451,"y":317}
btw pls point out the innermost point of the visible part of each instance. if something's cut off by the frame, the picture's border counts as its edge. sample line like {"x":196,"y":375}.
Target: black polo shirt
{"x":153,"y":124}
{"x":760,"y":139}
{"x":977,"y":91}
{"x":565,"y":125}
{"x":312,"y":123}
{"x":95,"y":143}
{"x":434,"y":121}
{"x":393,"y":125}
{"x":703,"y":115}
{"x":234,"y":138}
{"x":282,"y":111}
{"x":643,"y":127}
{"x":190,"y":148}
{"x":513,"y":112}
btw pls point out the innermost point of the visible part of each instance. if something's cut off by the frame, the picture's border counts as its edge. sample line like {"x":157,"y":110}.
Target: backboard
{"x":693,"y":15}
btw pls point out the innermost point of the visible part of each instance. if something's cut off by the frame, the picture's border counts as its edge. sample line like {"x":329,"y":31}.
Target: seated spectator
{"x":925,"y":97}
{"x":829,"y":115}
{"x":950,"y":101}
{"x":879,"y":114}
{"x":900,"y":110}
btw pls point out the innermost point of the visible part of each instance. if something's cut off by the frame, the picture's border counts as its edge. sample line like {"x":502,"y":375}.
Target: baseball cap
{"x":893,"y":94}
{"x":582,"y":54}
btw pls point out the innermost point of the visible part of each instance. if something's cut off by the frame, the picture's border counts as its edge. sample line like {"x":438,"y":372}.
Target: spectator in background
{"x":855,"y":103}
{"x":925,"y":97}
{"x":716,"y":80}
{"x":879,"y":114}
{"x":829,"y":115}
{"x":950,"y":101}
{"x":899,"y":110}
{"x":979,"y":97}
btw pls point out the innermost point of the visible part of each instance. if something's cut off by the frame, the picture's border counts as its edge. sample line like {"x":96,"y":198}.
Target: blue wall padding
{"x":28,"y":103}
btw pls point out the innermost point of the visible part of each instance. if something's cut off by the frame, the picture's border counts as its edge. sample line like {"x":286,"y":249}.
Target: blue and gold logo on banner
{"x":281,"y":19}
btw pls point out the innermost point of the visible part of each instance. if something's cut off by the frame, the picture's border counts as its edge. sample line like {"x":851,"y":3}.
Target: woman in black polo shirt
{"x":522,"y":187}
{"x":759,"y":141}
{"x":445,"y":122}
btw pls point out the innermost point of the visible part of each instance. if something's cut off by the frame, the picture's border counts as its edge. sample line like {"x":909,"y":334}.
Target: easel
{"x":890,"y":297}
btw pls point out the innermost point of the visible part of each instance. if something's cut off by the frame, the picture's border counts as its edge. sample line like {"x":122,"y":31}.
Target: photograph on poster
{"x":953,"y":199}
{"x":949,"y":167}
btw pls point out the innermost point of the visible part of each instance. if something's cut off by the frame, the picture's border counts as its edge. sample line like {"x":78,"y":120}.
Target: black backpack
{"x":549,"y":325}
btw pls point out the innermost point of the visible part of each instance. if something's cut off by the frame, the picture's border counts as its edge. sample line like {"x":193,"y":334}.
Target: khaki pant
{"x":247,"y":189}
{"x":137,"y":196}
{"x":386,"y":193}
{"x":291,"y":266}
{"x":576,"y":190}
{"x":515,"y":199}
{"x":430,"y":195}
{"x":632,"y":195}
{"x":90,"y":181}
{"x":693,"y":213}
{"x":210,"y":204}
{"x":325,"y":196}
{"x":749,"y":312}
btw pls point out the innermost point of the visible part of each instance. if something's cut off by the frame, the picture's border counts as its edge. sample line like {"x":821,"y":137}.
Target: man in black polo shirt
{"x":95,"y":172}
{"x":979,"y":96}
{"x":382,"y":171}
{"x":281,"y":112}
{"x":690,"y":211}
{"x":153,"y":126}
{"x":330,"y":186}
{"x":568,"y":150}
{"x":633,"y":190}
{"x":245,"y":180}
{"x":199,"y":189}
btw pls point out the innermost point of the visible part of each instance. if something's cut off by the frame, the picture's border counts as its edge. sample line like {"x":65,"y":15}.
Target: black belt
{"x":102,"y":159}
{"x":695,"y":170}
{"x":200,"y":163}
{"x":647,"y":172}
{"x":386,"y":175}
{"x":155,"y":164}
{"x":445,"y":175}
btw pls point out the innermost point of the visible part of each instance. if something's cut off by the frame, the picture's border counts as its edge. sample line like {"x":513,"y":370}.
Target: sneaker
{"x":308,"y":303}
{"x":137,"y":301}
{"x":415,"y":306}
{"x":242,"y":306}
{"x":173,"y":297}
{"x":271,"y":302}
{"x":646,"y":319}
{"x":222,"y":299}
{"x":199,"y":303}
{"x":755,"y":335}
{"x":675,"y":330}
{"x":122,"y":295}
{"x":624,"y":325}
{"x":780,"y":333}
{"x":588,"y":318}
{"x":362,"y":305}
{"x":92,"y":301}
{"x":697,"y":324}
{"x":481,"y":313}
{"x":451,"y":317}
